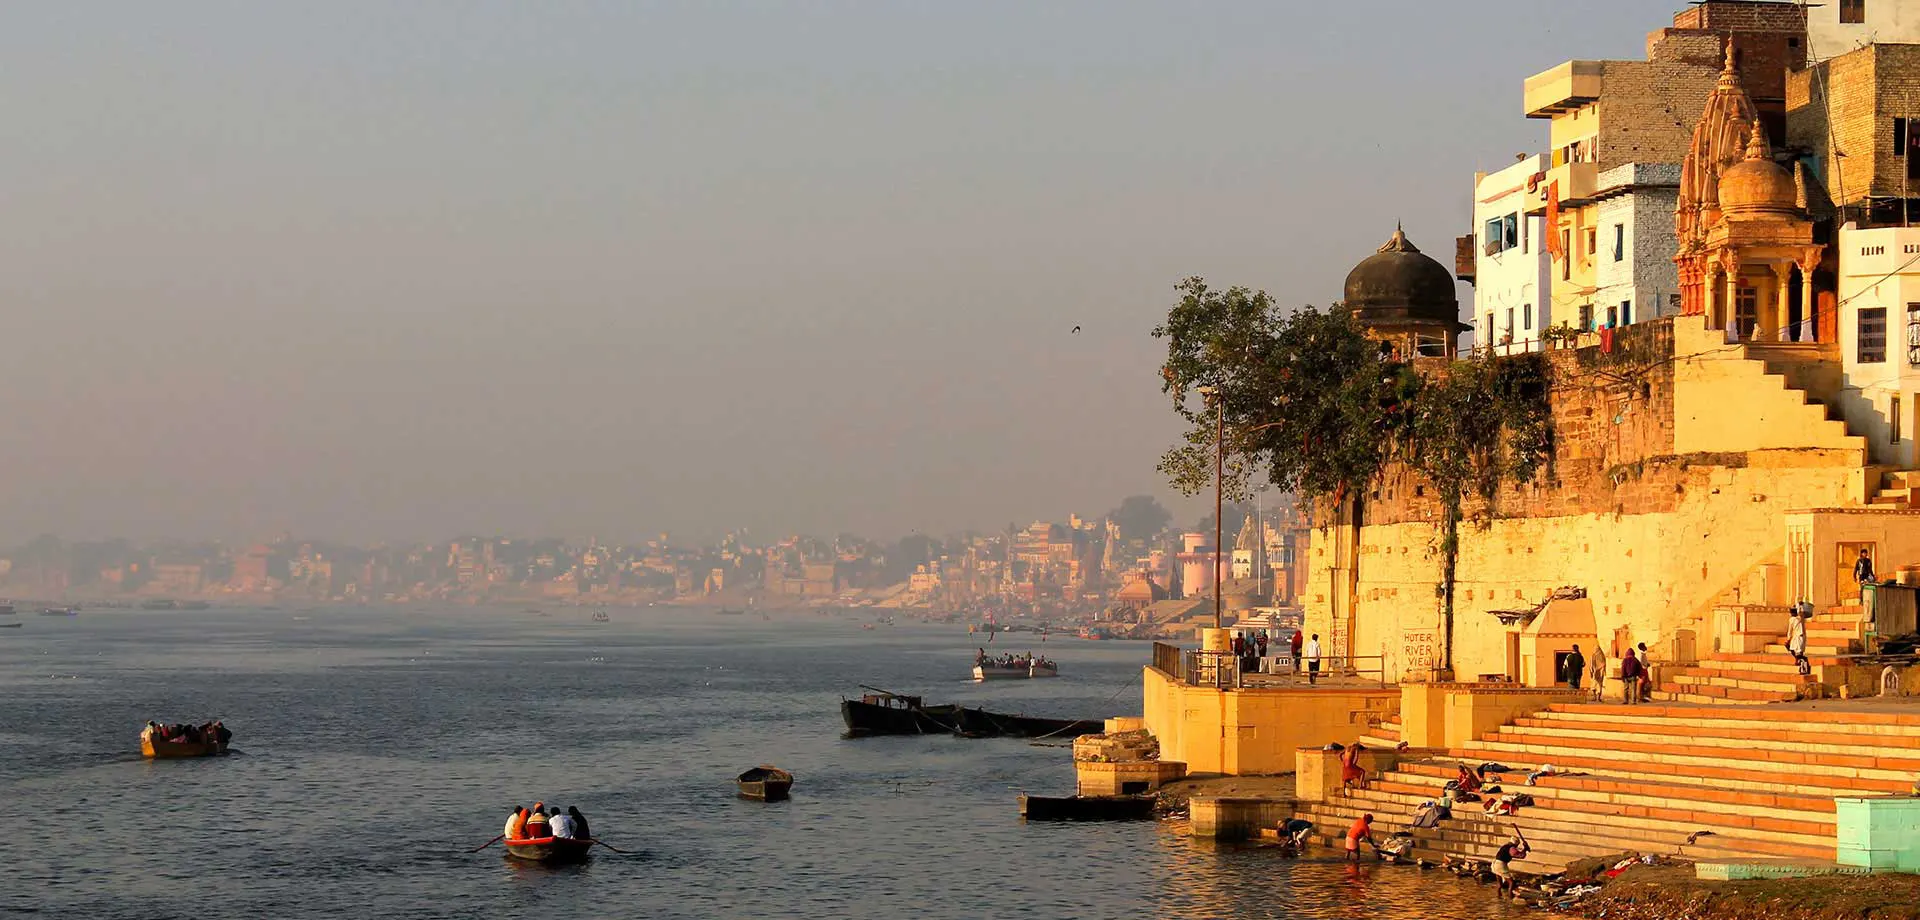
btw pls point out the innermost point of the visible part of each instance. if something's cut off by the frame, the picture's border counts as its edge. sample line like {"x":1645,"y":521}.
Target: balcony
{"x":1562,"y":89}
{"x":1464,"y":257}
{"x":1578,"y":183}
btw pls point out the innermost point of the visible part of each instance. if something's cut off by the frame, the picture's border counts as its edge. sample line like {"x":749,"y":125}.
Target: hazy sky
{"x":400,"y":270}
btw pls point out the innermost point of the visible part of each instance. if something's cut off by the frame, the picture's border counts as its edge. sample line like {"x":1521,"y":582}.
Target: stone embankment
{"x":1673,"y":893}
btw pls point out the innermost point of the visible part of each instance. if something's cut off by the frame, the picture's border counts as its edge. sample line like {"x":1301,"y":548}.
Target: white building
{"x":1635,"y":277}
{"x":1835,"y":27}
{"x":1510,"y":260}
{"x":1879,"y":298}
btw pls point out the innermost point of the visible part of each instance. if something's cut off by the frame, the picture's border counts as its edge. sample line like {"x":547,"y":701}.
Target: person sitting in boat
{"x":561,"y":824}
{"x":516,"y":824}
{"x":151,"y":730}
{"x":220,"y":732}
{"x":579,"y":823}
{"x":537,"y":822}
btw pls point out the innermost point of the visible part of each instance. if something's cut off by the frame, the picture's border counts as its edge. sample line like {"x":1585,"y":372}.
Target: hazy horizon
{"x":387,"y":273}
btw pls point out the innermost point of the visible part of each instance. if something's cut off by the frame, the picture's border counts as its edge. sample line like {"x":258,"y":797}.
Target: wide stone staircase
{"x":1770,"y":674}
{"x":1725,"y":782}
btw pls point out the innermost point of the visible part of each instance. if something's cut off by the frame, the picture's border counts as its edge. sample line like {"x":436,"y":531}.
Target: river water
{"x":375,"y":746}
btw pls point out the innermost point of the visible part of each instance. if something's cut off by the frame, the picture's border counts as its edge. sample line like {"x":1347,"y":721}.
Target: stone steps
{"x":1604,"y":755}
{"x":1629,"y":721}
{"x":1749,"y":749}
{"x":1684,"y":719}
{"x":1585,"y":786}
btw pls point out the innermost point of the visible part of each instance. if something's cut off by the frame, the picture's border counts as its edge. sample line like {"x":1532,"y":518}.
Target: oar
{"x":485,"y":845}
{"x":610,"y":846}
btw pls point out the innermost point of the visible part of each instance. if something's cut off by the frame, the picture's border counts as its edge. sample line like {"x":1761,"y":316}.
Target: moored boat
{"x":59,"y":611}
{"x":980,"y":723}
{"x":766,"y":783}
{"x":884,"y":713}
{"x":550,"y":850}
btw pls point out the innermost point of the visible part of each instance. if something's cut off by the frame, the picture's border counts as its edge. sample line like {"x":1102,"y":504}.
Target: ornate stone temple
{"x":1746,"y":253}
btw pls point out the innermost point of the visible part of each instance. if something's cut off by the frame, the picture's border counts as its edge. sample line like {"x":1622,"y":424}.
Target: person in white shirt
{"x":560,"y":824}
{"x":1312,"y":654}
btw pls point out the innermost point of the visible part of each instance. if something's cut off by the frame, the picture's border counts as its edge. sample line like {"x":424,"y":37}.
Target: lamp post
{"x":1219,"y":503}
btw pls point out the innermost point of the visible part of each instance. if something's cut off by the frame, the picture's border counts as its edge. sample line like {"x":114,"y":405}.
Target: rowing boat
{"x":163,"y":750}
{"x":550,"y":850}
{"x":766,"y":783}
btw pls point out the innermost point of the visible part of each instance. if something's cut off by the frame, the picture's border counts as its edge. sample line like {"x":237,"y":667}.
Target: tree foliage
{"x":1306,"y":397}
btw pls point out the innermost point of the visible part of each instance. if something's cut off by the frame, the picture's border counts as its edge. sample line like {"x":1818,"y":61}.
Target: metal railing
{"x":1201,"y":668}
{"x":1170,"y":660}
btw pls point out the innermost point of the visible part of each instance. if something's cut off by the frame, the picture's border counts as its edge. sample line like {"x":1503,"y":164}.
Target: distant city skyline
{"x":381,"y":273}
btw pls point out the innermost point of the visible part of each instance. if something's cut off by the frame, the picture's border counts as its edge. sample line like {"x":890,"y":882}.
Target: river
{"x":373,"y":747}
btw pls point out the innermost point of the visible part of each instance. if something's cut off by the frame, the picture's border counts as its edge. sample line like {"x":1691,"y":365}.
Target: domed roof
{"x":1757,"y":185}
{"x":1400,"y":284}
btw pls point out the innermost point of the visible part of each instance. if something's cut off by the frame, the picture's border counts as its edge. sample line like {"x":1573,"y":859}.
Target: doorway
{"x":1513,"y":657}
{"x":1846,"y":587}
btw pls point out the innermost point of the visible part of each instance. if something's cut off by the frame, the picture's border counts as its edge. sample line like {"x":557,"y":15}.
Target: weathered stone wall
{"x":1647,"y":110}
{"x":1676,"y":461}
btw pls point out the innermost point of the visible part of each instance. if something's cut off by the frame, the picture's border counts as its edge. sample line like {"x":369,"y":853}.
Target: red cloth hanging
{"x":1606,"y":340}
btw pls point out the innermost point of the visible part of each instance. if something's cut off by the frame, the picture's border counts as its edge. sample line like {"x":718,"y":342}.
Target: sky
{"x":384,"y":272}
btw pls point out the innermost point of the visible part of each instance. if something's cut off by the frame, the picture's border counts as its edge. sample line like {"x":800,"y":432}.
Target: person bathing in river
{"x":1362,"y":829}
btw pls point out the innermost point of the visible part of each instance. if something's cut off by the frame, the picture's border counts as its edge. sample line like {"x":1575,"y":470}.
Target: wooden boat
{"x":550,"y":850}
{"x":163,"y":750}
{"x":1086,"y":807}
{"x":981,"y":723}
{"x":884,"y":713}
{"x":1017,"y":669}
{"x":11,"y":625}
{"x":765,"y":783}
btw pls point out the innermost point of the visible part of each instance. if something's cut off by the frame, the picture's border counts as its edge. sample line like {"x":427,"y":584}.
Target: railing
{"x":1170,"y":660}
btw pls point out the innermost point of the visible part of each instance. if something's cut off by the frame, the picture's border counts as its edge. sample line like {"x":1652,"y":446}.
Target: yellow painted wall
{"x":1252,"y":731}
{"x":1723,"y":401}
{"x":1656,"y":575}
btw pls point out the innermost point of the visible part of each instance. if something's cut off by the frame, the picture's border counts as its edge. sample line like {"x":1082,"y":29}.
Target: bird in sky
{"x":1076,"y":330}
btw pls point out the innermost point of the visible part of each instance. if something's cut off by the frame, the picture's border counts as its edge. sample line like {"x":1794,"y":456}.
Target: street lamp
{"x":1212,"y":395}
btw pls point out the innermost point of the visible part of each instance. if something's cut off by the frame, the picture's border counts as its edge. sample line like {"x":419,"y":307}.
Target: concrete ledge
{"x":1125,"y":777}
{"x":1745,"y":870}
{"x":1224,"y":818}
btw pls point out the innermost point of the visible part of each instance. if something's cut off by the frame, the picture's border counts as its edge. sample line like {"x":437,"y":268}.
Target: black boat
{"x":980,"y":723}
{"x":1086,"y":808}
{"x":883,"y":713}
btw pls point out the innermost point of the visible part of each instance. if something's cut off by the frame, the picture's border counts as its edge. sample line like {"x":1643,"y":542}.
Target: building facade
{"x":1510,"y":307}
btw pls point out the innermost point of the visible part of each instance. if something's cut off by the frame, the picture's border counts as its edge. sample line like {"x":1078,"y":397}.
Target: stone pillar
{"x":1782,"y":283}
{"x":1808,"y":307}
{"x":1709,"y":296}
{"x":1730,"y":304}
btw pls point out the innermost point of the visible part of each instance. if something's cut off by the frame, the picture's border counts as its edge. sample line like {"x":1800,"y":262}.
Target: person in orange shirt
{"x":537,"y":822}
{"x":1362,"y":829}
{"x":516,"y":824}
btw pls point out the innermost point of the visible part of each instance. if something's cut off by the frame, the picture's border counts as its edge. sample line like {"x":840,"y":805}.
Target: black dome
{"x":1400,"y":285}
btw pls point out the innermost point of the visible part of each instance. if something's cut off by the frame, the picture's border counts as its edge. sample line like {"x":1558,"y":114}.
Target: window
{"x":1509,"y":324}
{"x":1593,"y":241}
{"x":1853,"y":11}
{"x":1526,"y":315}
{"x":1503,"y":233}
{"x":1526,"y":231}
{"x":1894,"y":414}
{"x":1489,"y":328}
{"x":1566,"y":254}
{"x":1746,"y":311}
{"x":1899,"y":137}
{"x":1626,"y":313}
{"x":1872,"y":347}
{"x":1913,"y":334}
{"x":1586,"y":317}
{"x":1619,"y":242}
{"x":1613,"y":316}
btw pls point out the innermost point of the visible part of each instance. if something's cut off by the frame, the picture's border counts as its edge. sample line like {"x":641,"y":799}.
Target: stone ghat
{"x":1705,"y":783}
